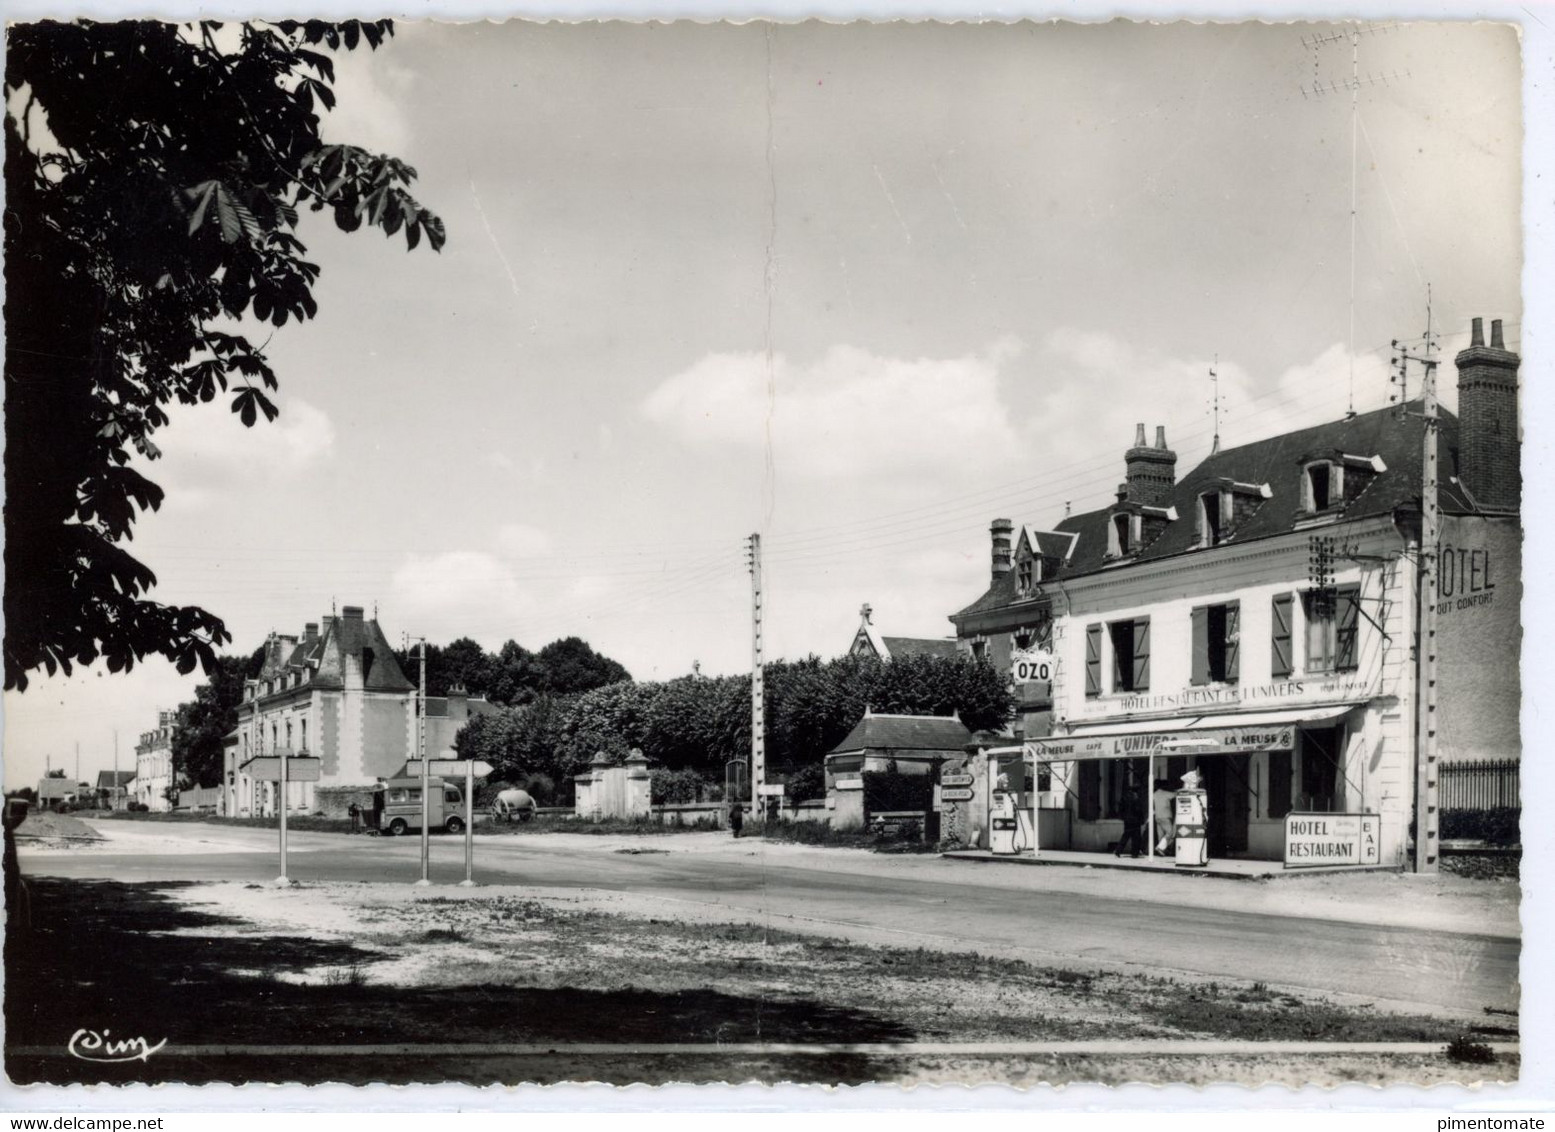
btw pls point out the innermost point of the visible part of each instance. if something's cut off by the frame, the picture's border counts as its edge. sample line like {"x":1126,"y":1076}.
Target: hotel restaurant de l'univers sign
{"x":1344,"y":688}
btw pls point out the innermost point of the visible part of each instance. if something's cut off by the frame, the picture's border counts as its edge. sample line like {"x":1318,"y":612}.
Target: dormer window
{"x":1322,"y":486}
{"x":1027,"y":573}
{"x":1212,"y":517}
{"x":1123,"y":534}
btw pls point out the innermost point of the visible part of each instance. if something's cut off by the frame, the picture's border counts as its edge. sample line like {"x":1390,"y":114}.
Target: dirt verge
{"x":216,"y":964}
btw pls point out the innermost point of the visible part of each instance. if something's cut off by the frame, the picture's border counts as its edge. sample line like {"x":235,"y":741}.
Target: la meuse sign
{"x":1208,"y":740}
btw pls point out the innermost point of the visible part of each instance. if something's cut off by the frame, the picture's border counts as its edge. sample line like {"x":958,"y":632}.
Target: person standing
{"x":1164,"y":802}
{"x":1132,"y":811}
{"x":736,"y":818}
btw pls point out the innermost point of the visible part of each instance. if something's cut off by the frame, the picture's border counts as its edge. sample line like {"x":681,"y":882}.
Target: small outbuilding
{"x":903,"y":744}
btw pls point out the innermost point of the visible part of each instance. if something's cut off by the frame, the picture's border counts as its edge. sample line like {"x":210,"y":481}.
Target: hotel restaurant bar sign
{"x":1315,"y":840}
{"x":1209,"y":741}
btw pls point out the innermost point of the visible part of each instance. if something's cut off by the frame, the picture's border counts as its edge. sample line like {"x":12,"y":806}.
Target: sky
{"x":858,"y":288}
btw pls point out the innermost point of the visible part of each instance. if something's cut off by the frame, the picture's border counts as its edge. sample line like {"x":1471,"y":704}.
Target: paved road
{"x":911,"y":901}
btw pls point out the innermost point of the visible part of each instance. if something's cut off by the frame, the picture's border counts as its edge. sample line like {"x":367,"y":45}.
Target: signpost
{"x":471,"y":769}
{"x":956,"y":780}
{"x":274,"y":768}
{"x":955,"y":794}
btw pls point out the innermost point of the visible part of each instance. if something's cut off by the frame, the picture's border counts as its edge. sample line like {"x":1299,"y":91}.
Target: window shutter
{"x":1348,"y":612}
{"x":1279,"y":641}
{"x":1233,"y":639}
{"x":1200,"y":645}
{"x":1093,"y":660}
{"x":1279,"y":783}
{"x":1090,"y":790}
{"x":1142,"y":654}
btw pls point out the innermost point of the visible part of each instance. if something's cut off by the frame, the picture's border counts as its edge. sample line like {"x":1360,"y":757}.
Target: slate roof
{"x":437,"y":707}
{"x":105,"y":778}
{"x":1277,"y":462}
{"x":351,"y":636}
{"x":906,"y":733}
{"x":920,"y":646}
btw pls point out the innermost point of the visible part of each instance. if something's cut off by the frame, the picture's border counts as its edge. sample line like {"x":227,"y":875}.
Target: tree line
{"x":698,"y":724}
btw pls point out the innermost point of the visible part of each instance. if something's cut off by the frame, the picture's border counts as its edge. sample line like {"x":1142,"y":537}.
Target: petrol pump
{"x":1011,"y":822}
{"x":1192,"y":814}
{"x":1003,"y":825}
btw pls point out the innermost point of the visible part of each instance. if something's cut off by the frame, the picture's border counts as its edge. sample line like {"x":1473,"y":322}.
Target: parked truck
{"x":402,"y":807}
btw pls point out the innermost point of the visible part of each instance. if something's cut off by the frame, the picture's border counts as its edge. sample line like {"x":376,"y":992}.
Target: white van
{"x":402,"y":807}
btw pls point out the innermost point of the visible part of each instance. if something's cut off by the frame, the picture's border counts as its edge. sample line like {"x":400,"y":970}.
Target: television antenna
{"x":1214,"y":377}
{"x":1319,"y":88}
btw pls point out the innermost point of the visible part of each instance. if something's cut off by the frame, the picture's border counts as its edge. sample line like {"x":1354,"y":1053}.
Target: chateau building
{"x":337,"y":694}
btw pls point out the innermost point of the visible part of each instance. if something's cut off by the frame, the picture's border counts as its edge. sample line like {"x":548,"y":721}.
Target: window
{"x":1333,"y":618}
{"x":1279,"y":783}
{"x":1026,"y":573}
{"x":1090,"y":790}
{"x":1130,"y":655}
{"x":1120,"y":538}
{"x":305,"y":736}
{"x":1039,"y":637}
{"x":979,"y":650}
{"x":1215,"y":643}
{"x":1322,"y":486}
{"x":1093,"y":660}
{"x":1211,"y":518}
{"x":1280,"y":658}
{"x":1320,"y":769}
{"x":1120,"y":772}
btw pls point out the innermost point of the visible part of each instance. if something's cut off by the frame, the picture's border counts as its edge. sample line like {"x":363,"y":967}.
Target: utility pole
{"x":1427,"y":843}
{"x":758,"y":689}
{"x":115,"y":793}
{"x":426,"y":767}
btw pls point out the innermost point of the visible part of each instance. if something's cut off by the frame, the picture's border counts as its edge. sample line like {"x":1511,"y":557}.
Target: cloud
{"x":850,"y":413}
{"x":371,"y":90}
{"x":460,"y":593}
{"x":206,"y":448}
{"x":1098,"y":388}
{"x":519,"y":540}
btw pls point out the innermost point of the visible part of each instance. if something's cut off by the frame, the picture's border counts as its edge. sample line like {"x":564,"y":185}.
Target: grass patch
{"x":821,"y":833}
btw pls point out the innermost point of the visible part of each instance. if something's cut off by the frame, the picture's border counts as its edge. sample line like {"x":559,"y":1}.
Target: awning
{"x":1232,"y":733}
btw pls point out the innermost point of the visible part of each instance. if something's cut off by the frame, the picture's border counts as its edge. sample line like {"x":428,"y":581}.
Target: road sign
{"x":955,"y":794}
{"x":1032,"y":667}
{"x":774,"y":789}
{"x":955,"y":780}
{"x":450,"y":767}
{"x":268,"y":769}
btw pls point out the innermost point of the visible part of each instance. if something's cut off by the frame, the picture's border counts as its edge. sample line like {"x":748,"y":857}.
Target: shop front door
{"x":1225,"y":784}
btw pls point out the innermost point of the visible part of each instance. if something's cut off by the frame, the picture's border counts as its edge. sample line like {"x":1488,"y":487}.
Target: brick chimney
{"x":1002,"y":531}
{"x":310,"y":632}
{"x":350,"y":612}
{"x":458,"y":702}
{"x":1488,"y":446}
{"x":1151,"y":469}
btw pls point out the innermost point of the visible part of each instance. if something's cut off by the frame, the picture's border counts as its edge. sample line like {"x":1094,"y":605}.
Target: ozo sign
{"x":1032,"y":667}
